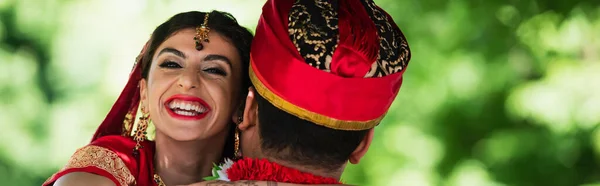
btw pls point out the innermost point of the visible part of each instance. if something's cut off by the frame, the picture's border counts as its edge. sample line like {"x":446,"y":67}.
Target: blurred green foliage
{"x":497,"y":92}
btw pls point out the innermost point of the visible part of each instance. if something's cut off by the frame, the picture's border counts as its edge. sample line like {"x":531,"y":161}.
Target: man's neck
{"x":337,"y":174}
{"x":186,"y":162}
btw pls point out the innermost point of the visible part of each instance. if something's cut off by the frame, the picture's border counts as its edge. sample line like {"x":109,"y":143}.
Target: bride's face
{"x":191,"y":94}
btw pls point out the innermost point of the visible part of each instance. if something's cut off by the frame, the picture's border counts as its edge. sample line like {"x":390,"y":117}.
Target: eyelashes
{"x":174,"y":65}
{"x":170,"y":65}
{"x":216,"y":71}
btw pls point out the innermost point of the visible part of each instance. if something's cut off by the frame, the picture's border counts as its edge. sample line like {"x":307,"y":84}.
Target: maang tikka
{"x":202,"y":33}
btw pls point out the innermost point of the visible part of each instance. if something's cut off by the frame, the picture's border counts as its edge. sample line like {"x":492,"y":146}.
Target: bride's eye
{"x":170,"y":64}
{"x":216,"y":71}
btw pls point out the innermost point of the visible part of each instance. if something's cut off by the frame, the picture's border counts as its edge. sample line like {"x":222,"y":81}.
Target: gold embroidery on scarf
{"x":313,"y":28}
{"x":102,"y":158}
{"x":393,"y":49}
{"x":314,"y":41}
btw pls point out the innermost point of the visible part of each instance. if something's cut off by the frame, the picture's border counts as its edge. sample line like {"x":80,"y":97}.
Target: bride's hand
{"x":246,"y":183}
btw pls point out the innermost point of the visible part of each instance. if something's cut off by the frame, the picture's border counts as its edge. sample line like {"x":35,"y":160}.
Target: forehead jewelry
{"x":202,"y":33}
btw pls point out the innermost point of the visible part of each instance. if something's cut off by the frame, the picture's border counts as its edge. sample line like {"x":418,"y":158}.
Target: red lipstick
{"x":186,"y":107}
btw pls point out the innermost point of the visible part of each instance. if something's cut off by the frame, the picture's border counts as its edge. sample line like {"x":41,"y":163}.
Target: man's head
{"x":269,"y":132}
{"x":324,"y":74}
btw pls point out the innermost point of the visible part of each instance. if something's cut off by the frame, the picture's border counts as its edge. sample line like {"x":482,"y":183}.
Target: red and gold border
{"x":104,"y":159}
{"x":302,"y":113}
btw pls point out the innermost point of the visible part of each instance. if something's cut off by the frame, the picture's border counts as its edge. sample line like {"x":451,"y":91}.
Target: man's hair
{"x":289,"y":138}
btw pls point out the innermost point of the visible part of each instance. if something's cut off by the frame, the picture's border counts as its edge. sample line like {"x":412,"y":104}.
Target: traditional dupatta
{"x":110,"y":153}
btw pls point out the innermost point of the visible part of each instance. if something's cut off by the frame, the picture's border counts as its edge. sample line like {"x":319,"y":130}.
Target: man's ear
{"x":362,"y":147}
{"x":237,"y":116}
{"x":250,"y":113}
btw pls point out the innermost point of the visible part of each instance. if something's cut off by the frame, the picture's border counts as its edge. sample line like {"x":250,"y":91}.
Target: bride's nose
{"x":189,"y":80}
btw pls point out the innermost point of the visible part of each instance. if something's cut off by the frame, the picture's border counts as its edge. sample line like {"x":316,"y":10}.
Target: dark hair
{"x":289,"y":138}
{"x":221,"y":22}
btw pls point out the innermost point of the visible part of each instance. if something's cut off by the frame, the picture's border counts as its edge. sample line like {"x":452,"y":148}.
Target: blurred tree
{"x":497,"y":92}
{"x":469,"y":58}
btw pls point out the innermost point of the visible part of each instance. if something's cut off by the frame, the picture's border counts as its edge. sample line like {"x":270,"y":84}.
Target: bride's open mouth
{"x":186,"y":107}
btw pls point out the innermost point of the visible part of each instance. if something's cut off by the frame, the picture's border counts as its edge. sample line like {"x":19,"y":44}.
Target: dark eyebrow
{"x":215,"y":57}
{"x":173,"y":51}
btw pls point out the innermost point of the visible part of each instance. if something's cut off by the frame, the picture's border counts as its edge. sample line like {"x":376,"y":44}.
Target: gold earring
{"x":140,"y":132}
{"x":236,"y":149}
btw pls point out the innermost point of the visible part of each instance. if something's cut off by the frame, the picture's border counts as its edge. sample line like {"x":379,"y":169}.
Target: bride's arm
{"x":83,"y":178}
{"x":250,"y":183}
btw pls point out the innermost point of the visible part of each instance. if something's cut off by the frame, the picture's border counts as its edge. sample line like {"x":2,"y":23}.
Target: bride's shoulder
{"x":108,"y":156}
{"x":107,"y":146}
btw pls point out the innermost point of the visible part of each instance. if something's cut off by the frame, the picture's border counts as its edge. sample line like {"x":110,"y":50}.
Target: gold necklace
{"x":158,"y":180}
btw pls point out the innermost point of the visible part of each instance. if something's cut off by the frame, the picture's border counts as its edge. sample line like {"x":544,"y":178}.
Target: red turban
{"x":336,"y":63}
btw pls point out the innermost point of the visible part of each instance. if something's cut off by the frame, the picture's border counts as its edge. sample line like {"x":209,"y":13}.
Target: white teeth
{"x":199,"y":109}
{"x":185,"y":113}
{"x":187,"y":107}
{"x":174,"y":105}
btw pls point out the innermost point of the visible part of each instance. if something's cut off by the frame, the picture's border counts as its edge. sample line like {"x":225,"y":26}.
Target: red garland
{"x":264,"y":170}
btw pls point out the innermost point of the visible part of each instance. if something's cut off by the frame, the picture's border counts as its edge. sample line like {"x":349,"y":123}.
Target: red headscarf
{"x":121,"y":116}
